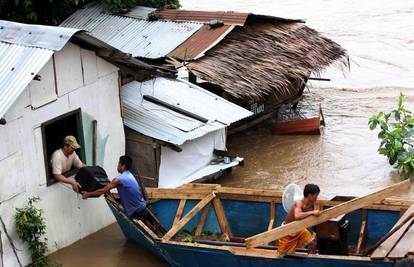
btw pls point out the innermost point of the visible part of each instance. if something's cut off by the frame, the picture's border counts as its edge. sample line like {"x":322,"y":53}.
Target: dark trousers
{"x":141,"y":215}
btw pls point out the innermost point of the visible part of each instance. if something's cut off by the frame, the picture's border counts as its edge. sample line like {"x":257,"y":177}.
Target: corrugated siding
{"x":164,"y":124}
{"x":146,"y":39}
{"x":18,"y":65}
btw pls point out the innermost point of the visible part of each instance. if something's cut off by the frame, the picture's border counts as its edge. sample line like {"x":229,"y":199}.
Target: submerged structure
{"x":258,"y":62}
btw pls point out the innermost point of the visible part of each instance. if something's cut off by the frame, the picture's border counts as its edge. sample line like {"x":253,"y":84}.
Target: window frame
{"x":78,"y":112}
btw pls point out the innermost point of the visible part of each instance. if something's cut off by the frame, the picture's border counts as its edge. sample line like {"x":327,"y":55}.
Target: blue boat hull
{"x":239,"y":213}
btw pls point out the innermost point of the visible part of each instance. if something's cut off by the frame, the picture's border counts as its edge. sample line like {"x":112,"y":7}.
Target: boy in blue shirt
{"x":130,"y":193}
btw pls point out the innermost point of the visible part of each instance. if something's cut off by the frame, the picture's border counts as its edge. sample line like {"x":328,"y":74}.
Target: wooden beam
{"x":352,"y":205}
{"x":272,"y":216}
{"x":202,"y":221}
{"x":180,"y":224}
{"x":179,"y":211}
{"x":404,"y":245}
{"x":384,"y":248}
{"x":362,"y":231}
{"x":221,"y":217}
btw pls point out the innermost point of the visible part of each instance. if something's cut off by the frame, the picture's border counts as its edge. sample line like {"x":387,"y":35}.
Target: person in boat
{"x":300,"y":210}
{"x":64,"y":159}
{"x":130,"y":193}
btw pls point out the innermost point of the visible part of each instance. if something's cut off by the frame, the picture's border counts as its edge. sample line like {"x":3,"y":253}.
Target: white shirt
{"x":61,"y":163}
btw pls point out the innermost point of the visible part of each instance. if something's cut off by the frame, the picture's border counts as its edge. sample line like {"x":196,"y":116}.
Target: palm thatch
{"x":262,"y":59}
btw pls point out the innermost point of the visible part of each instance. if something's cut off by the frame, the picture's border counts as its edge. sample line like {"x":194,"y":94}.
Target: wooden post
{"x":202,"y":221}
{"x":179,"y":212}
{"x":362,"y":231}
{"x":180,"y":224}
{"x":221,"y":217}
{"x":272,"y":216}
{"x":352,"y":205}
{"x":94,"y":141}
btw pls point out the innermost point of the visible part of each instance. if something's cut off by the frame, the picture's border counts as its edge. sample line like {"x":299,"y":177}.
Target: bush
{"x":397,"y":130}
{"x":31,"y":227}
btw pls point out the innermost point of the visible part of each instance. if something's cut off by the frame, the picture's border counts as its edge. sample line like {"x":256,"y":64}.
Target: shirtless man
{"x":301,"y":209}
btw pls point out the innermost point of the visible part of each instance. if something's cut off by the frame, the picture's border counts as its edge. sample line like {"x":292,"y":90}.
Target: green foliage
{"x":53,"y":12}
{"x":31,"y":227}
{"x":397,"y":131}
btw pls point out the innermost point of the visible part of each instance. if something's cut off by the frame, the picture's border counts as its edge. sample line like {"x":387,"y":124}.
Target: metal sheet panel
{"x":146,"y":39}
{"x":167,"y":125}
{"x":229,"y":18}
{"x":18,"y":66}
{"x":53,"y":38}
{"x":200,"y":42}
{"x":140,"y":12}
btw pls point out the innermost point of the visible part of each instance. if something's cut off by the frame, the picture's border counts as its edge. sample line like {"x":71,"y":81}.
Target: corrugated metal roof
{"x":200,"y":42}
{"x":167,"y":125}
{"x":25,"y":49}
{"x":52,"y":38}
{"x":146,"y":39}
{"x":229,"y":18}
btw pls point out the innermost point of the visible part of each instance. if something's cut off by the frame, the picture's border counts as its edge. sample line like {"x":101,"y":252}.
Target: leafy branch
{"x":396,"y":134}
{"x":31,"y":228}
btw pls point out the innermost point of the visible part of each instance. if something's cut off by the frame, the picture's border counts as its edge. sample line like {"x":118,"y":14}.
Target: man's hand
{"x":76,"y":186}
{"x":316,"y":212}
{"x":85,"y":195}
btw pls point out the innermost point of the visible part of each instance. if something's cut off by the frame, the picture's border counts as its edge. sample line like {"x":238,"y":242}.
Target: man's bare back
{"x":300,"y":210}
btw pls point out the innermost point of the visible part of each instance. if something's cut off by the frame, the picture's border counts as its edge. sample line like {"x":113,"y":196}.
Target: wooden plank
{"x":179,"y":212}
{"x":198,"y":185}
{"x":202,"y":221}
{"x":384,"y":248}
{"x":272,"y":216}
{"x":404,"y":245}
{"x":145,"y":227}
{"x":221,"y":217}
{"x":352,"y":205}
{"x":197,"y":191}
{"x":180,"y":224}
{"x":362,"y":231}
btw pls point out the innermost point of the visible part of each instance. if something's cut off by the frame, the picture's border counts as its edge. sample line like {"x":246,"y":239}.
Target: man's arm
{"x":61,"y":178}
{"x":300,"y":214}
{"x":114,"y":183}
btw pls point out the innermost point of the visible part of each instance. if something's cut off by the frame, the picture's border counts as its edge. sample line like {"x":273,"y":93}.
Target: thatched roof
{"x":261,"y":59}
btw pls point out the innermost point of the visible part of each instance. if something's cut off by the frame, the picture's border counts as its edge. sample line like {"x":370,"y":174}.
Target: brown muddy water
{"x":343,"y":160}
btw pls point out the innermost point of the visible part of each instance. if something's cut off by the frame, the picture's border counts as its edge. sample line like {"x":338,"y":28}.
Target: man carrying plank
{"x":300,"y":210}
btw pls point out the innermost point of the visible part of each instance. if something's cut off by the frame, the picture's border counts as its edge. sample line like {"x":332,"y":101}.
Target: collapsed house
{"x":55,"y":82}
{"x":258,"y":62}
{"x":173,"y":129}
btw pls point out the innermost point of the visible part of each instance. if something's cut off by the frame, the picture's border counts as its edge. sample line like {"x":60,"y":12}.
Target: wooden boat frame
{"x":215,"y":193}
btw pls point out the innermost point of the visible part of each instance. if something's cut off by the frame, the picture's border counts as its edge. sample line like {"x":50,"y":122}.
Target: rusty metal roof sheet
{"x":228,"y":17}
{"x":200,"y":42}
{"x":146,"y":39}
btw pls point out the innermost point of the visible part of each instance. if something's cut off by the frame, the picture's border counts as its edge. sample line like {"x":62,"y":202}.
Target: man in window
{"x":130,"y":193}
{"x":63,"y":159}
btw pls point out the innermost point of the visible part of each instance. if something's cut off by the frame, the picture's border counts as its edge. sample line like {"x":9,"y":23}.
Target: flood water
{"x":343,"y":160}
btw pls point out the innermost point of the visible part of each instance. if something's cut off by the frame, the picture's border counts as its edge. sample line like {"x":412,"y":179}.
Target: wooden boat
{"x":210,"y":225}
{"x":306,"y":119}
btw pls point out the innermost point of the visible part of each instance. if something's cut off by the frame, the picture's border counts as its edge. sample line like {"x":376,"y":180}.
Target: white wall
{"x":85,"y":82}
{"x":196,"y":154}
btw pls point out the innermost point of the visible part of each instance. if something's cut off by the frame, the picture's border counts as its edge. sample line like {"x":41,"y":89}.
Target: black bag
{"x":91,"y":178}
